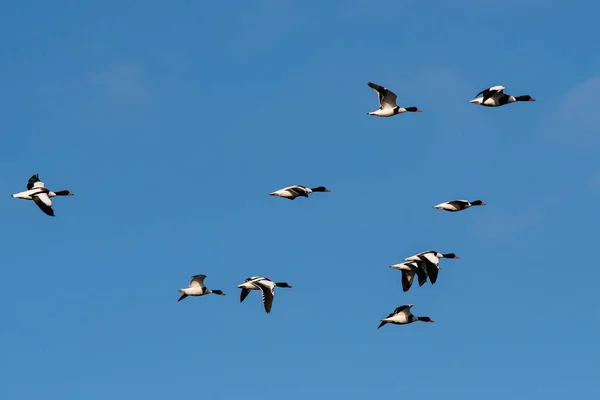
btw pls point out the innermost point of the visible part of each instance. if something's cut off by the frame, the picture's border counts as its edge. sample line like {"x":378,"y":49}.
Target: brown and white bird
{"x":495,"y":97}
{"x":40,"y":195}
{"x":402,"y":316}
{"x":387,"y":103}
{"x":265,"y":285}
{"x":458,"y":205}
{"x":431,"y":259}
{"x":409,"y":269}
{"x":197,"y":288}
{"x":291,"y":192}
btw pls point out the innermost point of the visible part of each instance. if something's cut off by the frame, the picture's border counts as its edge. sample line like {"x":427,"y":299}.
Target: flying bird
{"x":197,"y":288}
{"x":402,"y":316}
{"x":495,"y":97}
{"x":458,"y":205}
{"x":409,"y":269}
{"x":40,"y":195}
{"x":387,"y":103}
{"x":291,"y":192}
{"x":432,"y":261}
{"x":265,"y":285}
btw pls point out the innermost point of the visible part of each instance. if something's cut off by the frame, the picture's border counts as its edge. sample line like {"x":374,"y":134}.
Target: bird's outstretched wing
{"x":387,"y":98}
{"x":34,"y":181}
{"x":44,"y":203}
{"x":197,"y":280}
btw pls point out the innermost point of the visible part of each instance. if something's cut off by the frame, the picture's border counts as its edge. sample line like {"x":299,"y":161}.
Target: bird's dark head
{"x":450,"y":255}
{"x":320,"y":189}
{"x":283,"y":285}
{"x":426,"y":319}
{"x":525,"y":97}
{"x":477,"y":203}
{"x":64,"y":193}
{"x":413,"y":109}
{"x":219,"y":292}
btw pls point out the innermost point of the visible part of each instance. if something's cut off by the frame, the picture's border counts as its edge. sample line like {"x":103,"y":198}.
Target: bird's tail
{"x":382,"y":324}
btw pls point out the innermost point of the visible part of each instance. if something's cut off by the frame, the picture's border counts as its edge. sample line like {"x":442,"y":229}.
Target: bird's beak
{"x":532,"y":99}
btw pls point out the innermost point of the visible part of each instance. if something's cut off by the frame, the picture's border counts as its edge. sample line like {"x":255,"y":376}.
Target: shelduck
{"x":291,"y":192}
{"x":197,"y":288}
{"x":409,"y":269}
{"x":265,"y":285}
{"x":402,"y":316}
{"x":40,"y":195}
{"x":458,"y":205}
{"x":495,"y":97}
{"x":387,"y":103}
{"x":431,"y":259}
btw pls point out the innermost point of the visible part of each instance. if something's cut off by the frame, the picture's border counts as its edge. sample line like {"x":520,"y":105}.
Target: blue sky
{"x":171,"y":123}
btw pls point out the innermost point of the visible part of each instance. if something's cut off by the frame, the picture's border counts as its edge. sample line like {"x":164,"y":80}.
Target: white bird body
{"x":402,"y":316}
{"x":458,"y":205}
{"x":388,"y":111}
{"x":197,"y":288}
{"x":495,"y":97}
{"x":291,"y":192}
{"x":387,"y":102}
{"x":431,"y":261}
{"x":37,"y":192}
{"x":265,"y":285}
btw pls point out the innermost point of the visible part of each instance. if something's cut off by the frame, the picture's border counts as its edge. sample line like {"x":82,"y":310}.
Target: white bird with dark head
{"x":265,"y":285}
{"x":197,"y":288}
{"x":431,"y":261}
{"x":387,"y":103}
{"x":458,"y":205}
{"x":291,"y":192}
{"x":40,"y":195}
{"x":402,"y":316}
{"x":495,"y":97}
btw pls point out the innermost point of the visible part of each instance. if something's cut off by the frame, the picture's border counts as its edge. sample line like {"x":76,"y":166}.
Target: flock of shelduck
{"x":424,"y":265}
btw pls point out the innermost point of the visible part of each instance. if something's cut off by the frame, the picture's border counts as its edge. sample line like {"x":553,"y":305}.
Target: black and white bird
{"x":197,"y":288}
{"x":265,"y":285}
{"x":431,"y":259}
{"x":409,"y":269}
{"x":402,"y":316}
{"x":458,"y":205}
{"x":291,"y":192}
{"x":495,"y":97}
{"x":40,"y":195}
{"x":387,"y":103}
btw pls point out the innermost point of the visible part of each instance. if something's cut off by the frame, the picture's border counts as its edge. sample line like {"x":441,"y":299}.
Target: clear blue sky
{"x":172,"y":121}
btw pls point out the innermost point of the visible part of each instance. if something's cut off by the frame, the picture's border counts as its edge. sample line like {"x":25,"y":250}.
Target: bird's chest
{"x":196,"y":291}
{"x":401,"y":319}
